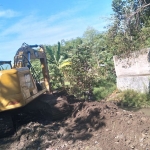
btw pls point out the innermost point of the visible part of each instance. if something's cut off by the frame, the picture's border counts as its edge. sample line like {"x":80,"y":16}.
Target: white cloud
{"x":35,"y":30}
{"x":8,"y":13}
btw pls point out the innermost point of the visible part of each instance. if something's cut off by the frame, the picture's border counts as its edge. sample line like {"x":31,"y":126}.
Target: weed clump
{"x":131,"y":98}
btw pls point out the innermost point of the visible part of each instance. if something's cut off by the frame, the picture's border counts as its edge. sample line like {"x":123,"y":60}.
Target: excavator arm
{"x":26,"y":53}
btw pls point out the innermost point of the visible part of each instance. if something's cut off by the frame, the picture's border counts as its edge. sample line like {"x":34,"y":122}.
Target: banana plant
{"x":57,"y":58}
{"x":57,"y":61}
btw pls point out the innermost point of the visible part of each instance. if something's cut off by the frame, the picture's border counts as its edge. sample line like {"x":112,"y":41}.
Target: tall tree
{"x":131,"y":19}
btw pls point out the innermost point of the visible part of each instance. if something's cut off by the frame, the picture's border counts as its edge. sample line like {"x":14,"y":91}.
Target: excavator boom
{"x":27,"y":53}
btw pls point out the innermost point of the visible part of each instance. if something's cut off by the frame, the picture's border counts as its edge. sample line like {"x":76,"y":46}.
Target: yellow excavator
{"x":20,"y":84}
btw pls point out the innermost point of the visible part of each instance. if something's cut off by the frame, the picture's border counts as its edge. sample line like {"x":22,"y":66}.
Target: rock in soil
{"x":72,"y":124}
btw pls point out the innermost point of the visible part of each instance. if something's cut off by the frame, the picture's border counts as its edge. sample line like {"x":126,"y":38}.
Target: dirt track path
{"x":89,"y":126}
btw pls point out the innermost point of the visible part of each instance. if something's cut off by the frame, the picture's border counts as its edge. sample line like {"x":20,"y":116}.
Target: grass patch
{"x":131,"y":98}
{"x":104,"y":90}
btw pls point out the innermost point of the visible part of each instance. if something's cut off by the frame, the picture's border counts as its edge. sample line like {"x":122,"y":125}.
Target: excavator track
{"x":6,"y":124}
{"x":44,"y":108}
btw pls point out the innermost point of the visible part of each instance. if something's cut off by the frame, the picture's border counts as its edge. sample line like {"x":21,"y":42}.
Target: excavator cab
{"x":5,"y":65}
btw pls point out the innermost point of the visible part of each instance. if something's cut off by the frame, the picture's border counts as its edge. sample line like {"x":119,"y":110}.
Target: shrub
{"x":104,"y":90}
{"x":131,"y":98}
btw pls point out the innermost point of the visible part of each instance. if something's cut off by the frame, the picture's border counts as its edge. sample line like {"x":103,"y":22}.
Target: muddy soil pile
{"x":77,"y":125}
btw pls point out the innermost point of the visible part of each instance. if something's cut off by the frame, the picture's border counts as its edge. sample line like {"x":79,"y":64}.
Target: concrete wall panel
{"x":133,"y":72}
{"x":136,"y":64}
{"x":137,"y":83}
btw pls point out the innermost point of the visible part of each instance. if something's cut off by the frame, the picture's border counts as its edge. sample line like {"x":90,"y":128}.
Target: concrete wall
{"x":133,"y":72}
{"x":137,"y":83}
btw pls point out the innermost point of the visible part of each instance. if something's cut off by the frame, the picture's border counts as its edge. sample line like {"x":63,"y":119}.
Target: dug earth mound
{"x":65,"y":123}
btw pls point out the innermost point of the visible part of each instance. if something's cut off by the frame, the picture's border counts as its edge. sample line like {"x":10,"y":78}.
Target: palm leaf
{"x":64,"y":64}
{"x":50,"y":52}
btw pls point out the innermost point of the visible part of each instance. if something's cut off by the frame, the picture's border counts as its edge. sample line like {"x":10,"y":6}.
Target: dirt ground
{"x":79,"y":125}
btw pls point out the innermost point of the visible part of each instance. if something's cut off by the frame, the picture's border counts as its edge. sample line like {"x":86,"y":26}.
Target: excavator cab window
{"x":5,"y":65}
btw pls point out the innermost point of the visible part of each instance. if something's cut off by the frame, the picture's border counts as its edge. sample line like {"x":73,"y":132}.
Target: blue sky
{"x":47,"y":21}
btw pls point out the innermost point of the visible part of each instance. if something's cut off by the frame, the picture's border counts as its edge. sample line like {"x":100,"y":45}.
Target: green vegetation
{"x":130,"y":98}
{"x":104,"y":89}
{"x":84,"y":66}
{"x":57,"y":60}
{"x":131,"y":26}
